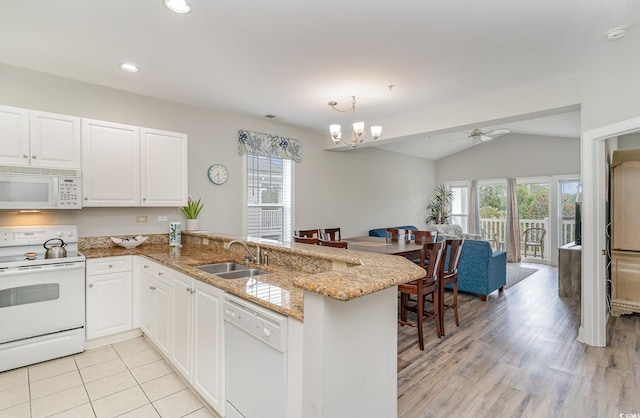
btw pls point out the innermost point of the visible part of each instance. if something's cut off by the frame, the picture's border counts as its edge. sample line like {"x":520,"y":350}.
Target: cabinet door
{"x":110,"y":164}
{"x":109,"y":308}
{"x":625,"y":203}
{"x":163,"y":313}
{"x":55,"y":140}
{"x":147,"y":311}
{"x":208,"y":378}
{"x":182,"y":323}
{"x":163,"y":168}
{"x":14,"y":136}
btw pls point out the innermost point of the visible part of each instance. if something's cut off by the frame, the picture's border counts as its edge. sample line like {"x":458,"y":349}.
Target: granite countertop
{"x":292,"y":269}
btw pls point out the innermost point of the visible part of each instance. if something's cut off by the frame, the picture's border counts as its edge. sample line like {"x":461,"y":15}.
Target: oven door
{"x":40,"y":300}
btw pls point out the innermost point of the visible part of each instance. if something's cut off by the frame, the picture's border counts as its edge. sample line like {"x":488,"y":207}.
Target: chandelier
{"x":358,"y":136}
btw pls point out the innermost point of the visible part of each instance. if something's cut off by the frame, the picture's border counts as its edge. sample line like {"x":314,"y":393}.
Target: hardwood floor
{"x":517,"y":355}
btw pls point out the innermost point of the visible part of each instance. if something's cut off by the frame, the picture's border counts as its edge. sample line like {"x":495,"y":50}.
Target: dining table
{"x":408,"y":249}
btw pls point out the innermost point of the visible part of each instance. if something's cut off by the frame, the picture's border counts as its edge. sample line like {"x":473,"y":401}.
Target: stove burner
{"x":30,"y":256}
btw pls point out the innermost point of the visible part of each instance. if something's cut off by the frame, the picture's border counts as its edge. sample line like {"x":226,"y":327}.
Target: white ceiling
{"x":290,"y":57}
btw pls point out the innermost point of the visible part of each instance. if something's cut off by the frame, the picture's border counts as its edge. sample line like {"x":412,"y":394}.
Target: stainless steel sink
{"x":222,"y":267}
{"x":238,"y":274}
{"x":230,"y":270}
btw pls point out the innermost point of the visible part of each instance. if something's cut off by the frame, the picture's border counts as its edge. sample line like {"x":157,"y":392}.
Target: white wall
{"x":512,"y":155}
{"x":356,"y":190}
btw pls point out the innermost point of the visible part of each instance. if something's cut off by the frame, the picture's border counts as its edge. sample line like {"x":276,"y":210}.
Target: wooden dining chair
{"x":307,"y":233}
{"x":305,"y":240}
{"x":337,"y":244}
{"x":330,"y":234}
{"x":395,"y":234}
{"x":420,"y":237}
{"x":428,"y":285}
{"x":449,"y":276}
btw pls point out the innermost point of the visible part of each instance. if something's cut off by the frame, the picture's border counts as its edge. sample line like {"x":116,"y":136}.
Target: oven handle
{"x":15,"y":271}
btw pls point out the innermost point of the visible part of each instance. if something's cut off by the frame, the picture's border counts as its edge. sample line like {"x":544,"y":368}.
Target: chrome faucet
{"x":255,"y":258}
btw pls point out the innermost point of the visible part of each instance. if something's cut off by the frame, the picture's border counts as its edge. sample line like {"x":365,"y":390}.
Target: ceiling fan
{"x":478,"y":136}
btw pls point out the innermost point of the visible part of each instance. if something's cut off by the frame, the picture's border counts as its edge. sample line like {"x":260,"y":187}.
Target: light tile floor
{"x":129,"y":379}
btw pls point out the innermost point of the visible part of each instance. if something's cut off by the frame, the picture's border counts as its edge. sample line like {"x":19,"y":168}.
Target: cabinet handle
{"x":25,"y":156}
{"x":152,"y":287}
{"x":33,"y":157}
{"x":193,"y":291}
{"x":144,"y":199}
{"x":188,"y":290}
{"x":160,"y":273}
{"x":90,"y":284}
{"x":86,"y":198}
{"x":145,"y":266}
{"x":110,"y":265}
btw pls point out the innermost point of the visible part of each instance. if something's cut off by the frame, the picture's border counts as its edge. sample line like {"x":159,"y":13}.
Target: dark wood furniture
{"x":307,"y":233}
{"x":449,"y":276}
{"x":421,"y":288}
{"x":337,"y":244}
{"x":330,"y":234}
{"x":420,"y":237}
{"x":305,"y":240}
{"x":395,"y":234}
{"x":408,"y":249}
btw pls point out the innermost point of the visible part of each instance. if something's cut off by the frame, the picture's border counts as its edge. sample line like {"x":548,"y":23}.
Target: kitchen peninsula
{"x":343,"y":353}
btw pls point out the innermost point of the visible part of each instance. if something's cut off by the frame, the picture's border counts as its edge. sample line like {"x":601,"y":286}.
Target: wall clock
{"x":218,"y":174}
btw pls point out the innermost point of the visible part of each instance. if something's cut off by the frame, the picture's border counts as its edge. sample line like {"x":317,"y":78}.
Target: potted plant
{"x":191,"y":212}
{"x":439,"y":209}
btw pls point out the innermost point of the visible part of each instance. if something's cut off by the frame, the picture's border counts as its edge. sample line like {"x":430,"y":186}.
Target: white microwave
{"x":39,"y":191}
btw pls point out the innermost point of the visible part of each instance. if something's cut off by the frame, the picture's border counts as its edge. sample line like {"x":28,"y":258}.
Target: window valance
{"x":266,"y":145}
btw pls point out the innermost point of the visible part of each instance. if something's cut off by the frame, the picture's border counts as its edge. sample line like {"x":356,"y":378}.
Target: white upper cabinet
{"x":14,"y":136}
{"x":129,"y":166}
{"x":110,"y":164}
{"x":39,"y":139}
{"x":55,"y":140}
{"x":163,"y":168}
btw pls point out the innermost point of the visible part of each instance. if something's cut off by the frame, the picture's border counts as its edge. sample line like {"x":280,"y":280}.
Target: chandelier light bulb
{"x":376,"y":131}
{"x":358,"y":127}
{"x":335,"y":131}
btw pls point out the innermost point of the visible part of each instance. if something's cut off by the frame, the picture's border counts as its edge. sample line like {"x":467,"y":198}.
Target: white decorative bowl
{"x":129,"y":242}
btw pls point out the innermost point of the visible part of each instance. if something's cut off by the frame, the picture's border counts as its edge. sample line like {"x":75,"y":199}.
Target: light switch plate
{"x":162,"y":219}
{"x":140,"y":219}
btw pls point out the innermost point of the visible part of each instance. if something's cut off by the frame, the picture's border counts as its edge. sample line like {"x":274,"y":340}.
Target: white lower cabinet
{"x":155,"y":304}
{"x":197,"y":350}
{"x":109,"y":296}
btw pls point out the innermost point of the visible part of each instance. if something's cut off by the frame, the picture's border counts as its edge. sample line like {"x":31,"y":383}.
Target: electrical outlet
{"x":205,"y":241}
{"x":140,"y":219}
{"x":162,"y":219}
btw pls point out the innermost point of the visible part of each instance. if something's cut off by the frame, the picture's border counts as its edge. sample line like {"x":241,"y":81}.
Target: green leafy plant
{"x":193,"y":208}
{"x":438,"y":210}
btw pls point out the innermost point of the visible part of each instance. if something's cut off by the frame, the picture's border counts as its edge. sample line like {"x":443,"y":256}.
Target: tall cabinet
{"x":625,"y":232}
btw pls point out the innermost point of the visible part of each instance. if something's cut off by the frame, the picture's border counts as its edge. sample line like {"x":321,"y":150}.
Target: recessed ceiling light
{"x":615,"y":34}
{"x":129,"y":67}
{"x":177,"y":6}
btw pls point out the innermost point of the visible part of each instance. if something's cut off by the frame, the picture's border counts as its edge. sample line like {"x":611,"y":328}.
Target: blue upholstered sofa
{"x":379,"y":232}
{"x":481,"y":270}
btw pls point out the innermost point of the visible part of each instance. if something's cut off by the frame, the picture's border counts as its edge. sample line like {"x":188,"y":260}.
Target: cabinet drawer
{"x":109,"y":265}
{"x":156,"y":271}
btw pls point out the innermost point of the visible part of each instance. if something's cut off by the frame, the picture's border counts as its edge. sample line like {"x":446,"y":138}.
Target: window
{"x":269,"y":197}
{"x":460,"y":205}
{"x":569,"y":190}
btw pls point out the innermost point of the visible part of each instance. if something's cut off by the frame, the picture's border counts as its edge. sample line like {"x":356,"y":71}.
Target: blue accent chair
{"x":481,"y":271}
{"x":380,"y":232}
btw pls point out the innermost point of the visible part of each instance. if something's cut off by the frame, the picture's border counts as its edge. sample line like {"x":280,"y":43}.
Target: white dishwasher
{"x":255,"y":360}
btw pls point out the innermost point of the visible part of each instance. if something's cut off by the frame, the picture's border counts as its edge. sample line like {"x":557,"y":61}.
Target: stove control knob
{"x":266,"y":331}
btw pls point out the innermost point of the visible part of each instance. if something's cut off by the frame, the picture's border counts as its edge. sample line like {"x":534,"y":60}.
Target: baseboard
{"x":112,"y":339}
